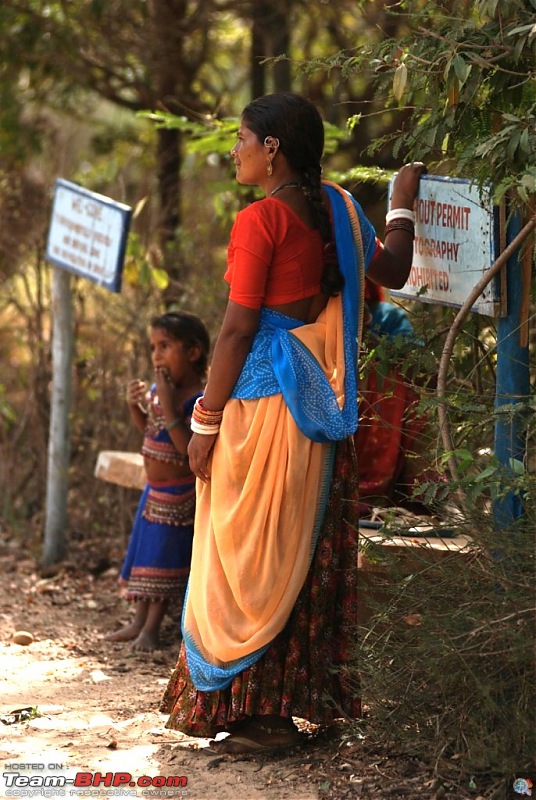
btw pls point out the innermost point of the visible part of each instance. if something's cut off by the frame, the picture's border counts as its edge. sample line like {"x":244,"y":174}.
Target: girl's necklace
{"x":290,"y":184}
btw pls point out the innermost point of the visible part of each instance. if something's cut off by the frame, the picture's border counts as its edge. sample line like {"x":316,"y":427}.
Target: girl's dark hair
{"x":188,"y":329}
{"x":295,"y":121}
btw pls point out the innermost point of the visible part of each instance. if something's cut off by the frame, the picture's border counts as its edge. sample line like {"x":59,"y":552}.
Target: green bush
{"x":446,"y":663}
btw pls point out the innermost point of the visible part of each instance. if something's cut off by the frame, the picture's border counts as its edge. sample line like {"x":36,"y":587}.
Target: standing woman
{"x":270,"y":614}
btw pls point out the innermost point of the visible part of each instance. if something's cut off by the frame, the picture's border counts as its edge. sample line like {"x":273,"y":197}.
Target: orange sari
{"x":265,"y":547}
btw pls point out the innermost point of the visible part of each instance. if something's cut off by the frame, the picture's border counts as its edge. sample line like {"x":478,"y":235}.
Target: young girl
{"x":157,"y":562}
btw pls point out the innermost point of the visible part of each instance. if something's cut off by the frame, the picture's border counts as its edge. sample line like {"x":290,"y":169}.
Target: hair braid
{"x":332,"y":279}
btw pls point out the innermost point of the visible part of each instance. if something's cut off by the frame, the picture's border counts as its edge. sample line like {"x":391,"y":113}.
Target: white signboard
{"x":88,"y":234}
{"x":455,"y":243}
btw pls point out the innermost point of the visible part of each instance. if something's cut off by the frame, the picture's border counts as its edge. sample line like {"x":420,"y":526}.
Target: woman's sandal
{"x":256,"y":736}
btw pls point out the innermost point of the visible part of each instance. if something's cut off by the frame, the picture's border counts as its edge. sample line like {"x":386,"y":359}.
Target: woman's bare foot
{"x":125,"y":634}
{"x":260,"y":734}
{"x":146,"y":642}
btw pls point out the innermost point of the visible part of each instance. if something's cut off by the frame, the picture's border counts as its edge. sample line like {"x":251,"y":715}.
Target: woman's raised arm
{"x":392,"y":264}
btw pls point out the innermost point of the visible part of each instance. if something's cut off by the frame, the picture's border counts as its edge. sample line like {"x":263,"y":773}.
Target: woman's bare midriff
{"x":306,"y":310}
{"x":162,"y":471}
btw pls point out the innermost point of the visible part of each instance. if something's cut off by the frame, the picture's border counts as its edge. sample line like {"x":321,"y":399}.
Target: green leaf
{"x":145,"y":273}
{"x":463,"y":455}
{"x":486,"y":473}
{"x":517,"y":466}
{"x":160,"y":278}
{"x":510,"y":117}
{"x":522,"y":29}
{"x":430,"y":136}
{"x":461,"y":68}
{"x":513,"y":144}
{"x":524,"y":142}
{"x":352,"y":121}
{"x":490,"y":7}
{"x":399,"y":81}
{"x":140,"y":205}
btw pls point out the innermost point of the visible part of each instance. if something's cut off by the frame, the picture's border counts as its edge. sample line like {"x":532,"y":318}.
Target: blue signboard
{"x":88,"y":234}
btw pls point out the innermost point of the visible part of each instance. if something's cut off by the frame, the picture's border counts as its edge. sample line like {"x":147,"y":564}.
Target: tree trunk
{"x":258,"y":71}
{"x":169,"y":74}
{"x":169,"y":186}
{"x":270,"y":38}
{"x":280,"y":36}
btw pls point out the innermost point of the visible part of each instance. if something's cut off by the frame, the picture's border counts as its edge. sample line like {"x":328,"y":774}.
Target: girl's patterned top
{"x":157,"y":443}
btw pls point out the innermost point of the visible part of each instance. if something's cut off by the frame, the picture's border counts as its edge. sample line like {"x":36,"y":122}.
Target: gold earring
{"x":269,"y":169}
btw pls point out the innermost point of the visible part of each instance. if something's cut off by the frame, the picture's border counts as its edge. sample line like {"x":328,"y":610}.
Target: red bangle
{"x":204,"y":416}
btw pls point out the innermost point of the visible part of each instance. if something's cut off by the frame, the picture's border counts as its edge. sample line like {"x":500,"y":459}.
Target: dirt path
{"x":97,"y":703}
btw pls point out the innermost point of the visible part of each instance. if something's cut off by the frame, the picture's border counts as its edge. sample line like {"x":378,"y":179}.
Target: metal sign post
{"x":87,"y":237}
{"x":513,"y":383}
{"x":59,"y":443}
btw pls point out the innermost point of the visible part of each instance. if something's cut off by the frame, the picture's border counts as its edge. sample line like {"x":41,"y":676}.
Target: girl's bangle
{"x":173,"y":424}
{"x":400,"y":213}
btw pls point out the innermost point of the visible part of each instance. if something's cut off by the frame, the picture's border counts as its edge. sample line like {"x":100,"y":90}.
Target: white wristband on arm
{"x":400,"y":213}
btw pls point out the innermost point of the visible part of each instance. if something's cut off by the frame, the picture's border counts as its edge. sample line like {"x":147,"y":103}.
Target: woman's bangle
{"x":173,"y":424}
{"x":203,"y":428}
{"x":400,"y":225}
{"x":204,"y":416}
{"x":205,"y":421}
{"x":400,"y":213}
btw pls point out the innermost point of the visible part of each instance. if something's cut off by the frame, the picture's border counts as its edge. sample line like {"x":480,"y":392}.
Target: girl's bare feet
{"x":132,"y":631}
{"x":145,"y":627}
{"x":146,"y":642}
{"x":125,"y":634}
{"x":149,"y":636}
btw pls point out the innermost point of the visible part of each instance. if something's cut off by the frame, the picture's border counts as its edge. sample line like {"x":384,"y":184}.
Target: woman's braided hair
{"x":295,"y":121}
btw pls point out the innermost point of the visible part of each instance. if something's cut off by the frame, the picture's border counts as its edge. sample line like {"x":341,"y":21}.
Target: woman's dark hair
{"x":188,"y":329}
{"x":295,"y":121}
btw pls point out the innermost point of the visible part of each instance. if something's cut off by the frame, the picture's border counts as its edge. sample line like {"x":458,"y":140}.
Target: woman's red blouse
{"x":273,"y":257}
